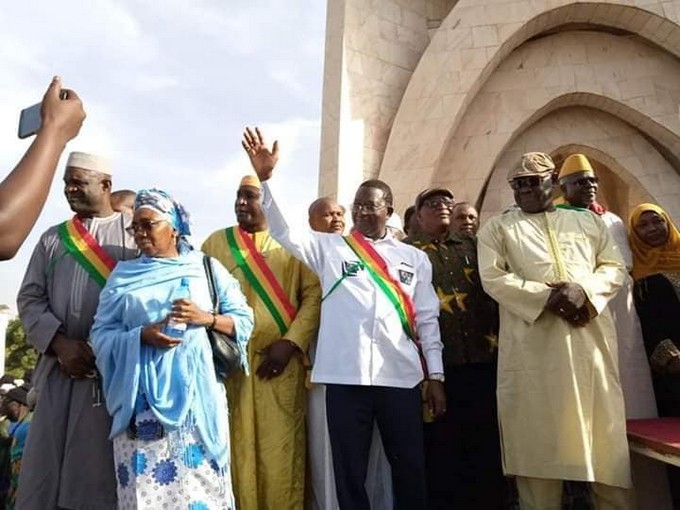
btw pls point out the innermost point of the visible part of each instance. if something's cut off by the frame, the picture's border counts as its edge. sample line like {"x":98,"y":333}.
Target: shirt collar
{"x":387,"y":237}
{"x":423,"y":237}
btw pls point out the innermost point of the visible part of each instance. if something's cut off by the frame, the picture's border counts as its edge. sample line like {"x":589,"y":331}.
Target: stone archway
{"x":413,"y":100}
{"x":619,"y":147}
{"x":449,"y":116}
{"x":548,"y":74}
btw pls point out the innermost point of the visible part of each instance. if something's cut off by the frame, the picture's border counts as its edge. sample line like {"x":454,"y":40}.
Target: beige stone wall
{"x":372,"y":48}
{"x":474,"y":76}
{"x":599,"y":70}
{"x":475,"y":38}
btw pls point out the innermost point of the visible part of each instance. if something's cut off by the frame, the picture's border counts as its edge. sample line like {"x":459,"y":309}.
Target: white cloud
{"x":168,"y":87}
{"x":289,"y":79}
{"x":97,"y":137}
{"x":296,"y":174}
{"x":293,"y":135}
{"x":14,"y":53}
{"x":154,"y":83}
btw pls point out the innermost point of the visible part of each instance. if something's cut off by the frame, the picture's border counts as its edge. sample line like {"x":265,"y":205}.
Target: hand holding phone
{"x":30,"y":121}
{"x":60,"y":109}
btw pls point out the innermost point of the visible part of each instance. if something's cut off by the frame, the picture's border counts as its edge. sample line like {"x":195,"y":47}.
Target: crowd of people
{"x":15,"y":419}
{"x":445,"y":366}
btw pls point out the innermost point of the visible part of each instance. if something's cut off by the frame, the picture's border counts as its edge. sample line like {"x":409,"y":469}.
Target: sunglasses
{"x":436,"y":202}
{"x":586,"y":181}
{"x":532,"y":181}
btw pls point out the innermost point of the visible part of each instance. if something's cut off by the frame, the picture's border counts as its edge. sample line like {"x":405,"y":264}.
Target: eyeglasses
{"x":436,"y":202}
{"x":367,"y":208}
{"x":146,"y":226}
{"x":532,"y":181}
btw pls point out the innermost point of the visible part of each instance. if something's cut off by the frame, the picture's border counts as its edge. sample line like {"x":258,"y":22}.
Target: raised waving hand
{"x":262,"y":159}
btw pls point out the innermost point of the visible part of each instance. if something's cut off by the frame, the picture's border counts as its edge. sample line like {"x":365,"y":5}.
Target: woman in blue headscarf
{"x":170,"y":425}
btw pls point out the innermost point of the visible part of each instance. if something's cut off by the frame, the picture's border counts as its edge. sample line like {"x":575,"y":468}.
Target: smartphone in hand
{"x":30,"y":119}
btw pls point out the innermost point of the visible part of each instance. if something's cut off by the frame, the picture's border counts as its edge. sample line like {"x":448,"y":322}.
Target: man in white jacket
{"x":378,"y":337}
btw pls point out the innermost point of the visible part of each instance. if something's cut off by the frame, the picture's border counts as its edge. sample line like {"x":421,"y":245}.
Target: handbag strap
{"x":211,"y":282}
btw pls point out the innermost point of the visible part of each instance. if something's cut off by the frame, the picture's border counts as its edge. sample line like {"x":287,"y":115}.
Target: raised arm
{"x":303,"y":244}
{"x":24,"y":190}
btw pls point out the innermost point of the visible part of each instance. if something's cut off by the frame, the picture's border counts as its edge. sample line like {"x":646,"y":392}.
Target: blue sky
{"x":168,"y":87}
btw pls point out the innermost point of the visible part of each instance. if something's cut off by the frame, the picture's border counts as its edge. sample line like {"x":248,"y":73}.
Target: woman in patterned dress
{"x":170,"y":425}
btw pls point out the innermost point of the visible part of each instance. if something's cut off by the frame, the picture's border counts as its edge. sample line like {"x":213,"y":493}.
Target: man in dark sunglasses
{"x":463,"y":444}
{"x":579,"y":184}
{"x":560,"y":405}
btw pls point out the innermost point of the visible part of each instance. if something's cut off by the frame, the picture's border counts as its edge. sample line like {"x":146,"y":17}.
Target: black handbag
{"x":226,"y":356}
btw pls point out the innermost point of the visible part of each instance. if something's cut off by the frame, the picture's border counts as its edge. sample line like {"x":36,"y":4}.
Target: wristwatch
{"x":437,"y":377}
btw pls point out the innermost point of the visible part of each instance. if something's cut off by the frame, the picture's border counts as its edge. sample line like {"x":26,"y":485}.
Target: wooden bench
{"x":657,"y":438}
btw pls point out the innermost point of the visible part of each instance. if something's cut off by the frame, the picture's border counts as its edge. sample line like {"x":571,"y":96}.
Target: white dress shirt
{"x":361,"y":340}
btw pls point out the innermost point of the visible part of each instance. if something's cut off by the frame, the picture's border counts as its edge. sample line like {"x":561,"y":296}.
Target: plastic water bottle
{"x":173,"y":328}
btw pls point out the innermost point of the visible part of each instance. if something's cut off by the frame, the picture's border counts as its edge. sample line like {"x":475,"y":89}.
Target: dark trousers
{"x":351,"y":411}
{"x":462,"y":448}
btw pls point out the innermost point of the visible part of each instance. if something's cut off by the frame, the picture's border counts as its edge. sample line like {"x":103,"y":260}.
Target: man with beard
{"x":68,"y":459}
{"x":462,"y":448}
{"x":267,"y":408}
{"x":561,"y":412}
{"x":464,"y":219}
{"x":378,"y":337}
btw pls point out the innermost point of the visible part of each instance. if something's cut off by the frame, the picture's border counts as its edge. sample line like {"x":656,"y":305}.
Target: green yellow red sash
{"x":86,"y":250}
{"x":260,"y":276}
{"x":377,"y":268}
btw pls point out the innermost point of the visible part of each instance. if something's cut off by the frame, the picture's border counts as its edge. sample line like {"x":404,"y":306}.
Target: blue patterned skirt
{"x":172,"y":472}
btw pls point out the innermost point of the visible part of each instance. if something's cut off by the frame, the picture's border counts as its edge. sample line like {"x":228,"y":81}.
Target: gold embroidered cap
{"x":250,"y":180}
{"x":575,"y":164}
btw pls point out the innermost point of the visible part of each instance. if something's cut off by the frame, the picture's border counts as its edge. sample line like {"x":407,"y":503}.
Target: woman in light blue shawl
{"x":170,"y":424}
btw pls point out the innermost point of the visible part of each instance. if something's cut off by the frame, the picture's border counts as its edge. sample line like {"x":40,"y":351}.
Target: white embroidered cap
{"x":89,"y":162}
